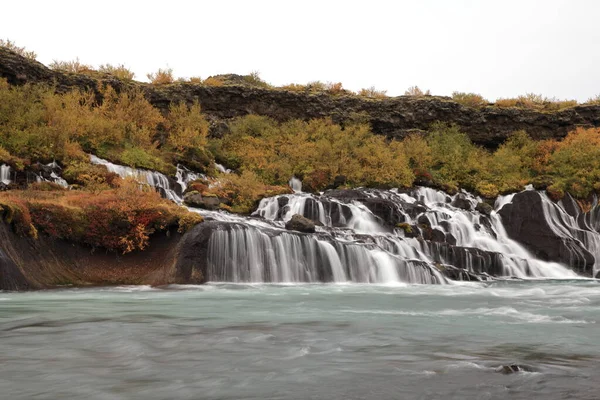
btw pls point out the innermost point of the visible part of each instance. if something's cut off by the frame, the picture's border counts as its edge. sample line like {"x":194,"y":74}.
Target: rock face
{"x":45,"y":263}
{"x":527,"y":222}
{"x":301,"y":224}
{"x":393,"y":117}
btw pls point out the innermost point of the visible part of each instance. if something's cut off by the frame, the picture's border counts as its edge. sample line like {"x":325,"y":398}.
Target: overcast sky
{"x":495,"y":48}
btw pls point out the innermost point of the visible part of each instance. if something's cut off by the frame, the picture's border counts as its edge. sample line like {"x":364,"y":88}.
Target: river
{"x":306,"y":341}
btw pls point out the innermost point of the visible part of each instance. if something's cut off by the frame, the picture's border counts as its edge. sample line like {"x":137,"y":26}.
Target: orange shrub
{"x":161,"y":77}
{"x":415,"y":91}
{"x":469,"y":99}
{"x":373,"y":93}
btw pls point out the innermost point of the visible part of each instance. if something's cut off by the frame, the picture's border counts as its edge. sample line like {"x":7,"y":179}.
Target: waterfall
{"x":221,"y":168}
{"x":167,"y":188}
{"x":244,"y":253}
{"x":5,"y":174}
{"x":368,"y":250}
{"x":295,"y":184}
{"x":422,"y":236}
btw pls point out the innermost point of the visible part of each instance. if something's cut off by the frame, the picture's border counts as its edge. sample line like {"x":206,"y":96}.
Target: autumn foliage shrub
{"x":416,"y":92}
{"x":373,"y":93}
{"x":74,"y":66}
{"x":22,"y":51}
{"x":161,"y":77}
{"x":318,"y":149}
{"x":469,"y":99}
{"x":119,"y":219}
{"x":119,"y":71}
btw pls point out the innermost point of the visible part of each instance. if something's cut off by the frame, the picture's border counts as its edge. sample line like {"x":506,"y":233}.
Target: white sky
{"x":495,"y":48}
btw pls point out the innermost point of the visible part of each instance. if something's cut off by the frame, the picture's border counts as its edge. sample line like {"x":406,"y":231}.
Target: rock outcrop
{"x":539,"y":225}
{"x":27,"y":264}
{"x":393,"y":117}
{"x":301,"y":224}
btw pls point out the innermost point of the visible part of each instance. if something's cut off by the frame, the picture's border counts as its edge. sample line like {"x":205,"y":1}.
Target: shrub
{"x":335,"y":88}
{"x":119,"y":71}
{"x":161,"y":77}
{"x":119,"y":219}
{"x":373,"y":93}
{"x":254,"y":79}
{"x":415,"y":91}
{"x":294,"y":87}
{"x":187,"y":126}
{"x":469,"y":99}
{"x":19,"y":50}
{"x":316,"y":86}
{"x":536,"y":102}
{"x":213,"y":81}
{"x":74,"y":66}
{"x":195,"y":79}
{"x":593,"y":100}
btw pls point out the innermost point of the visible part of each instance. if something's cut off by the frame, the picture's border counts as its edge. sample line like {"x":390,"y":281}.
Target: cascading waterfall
{"x":5,"y":174}
{"x":357,"y":242}
{"x":168,"y":188}
{"x":470,"y":241}
{"x":152,"y":178}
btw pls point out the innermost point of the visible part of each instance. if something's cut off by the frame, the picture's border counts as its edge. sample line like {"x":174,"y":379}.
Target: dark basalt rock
{"x":301,"y":224}
{"x":514,"y":368}
{"x":525,"y":222}
{"x":461,"y":201}
{"x":484,"y":208}
{"x":195,"y":199}
{"x":394,"y":117}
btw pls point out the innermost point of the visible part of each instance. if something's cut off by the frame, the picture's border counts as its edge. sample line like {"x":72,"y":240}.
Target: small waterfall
{"x":222,"y":169}
{"x":295,"y":184}
{"x":152,"y":178}
{"x":5,"y":174}
{"x":327,"y":212}
{"x":578,"y":225}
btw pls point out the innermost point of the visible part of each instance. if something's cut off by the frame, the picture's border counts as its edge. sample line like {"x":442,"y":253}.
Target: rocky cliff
{"x":48,"y":263}
{"x":393,"y":117}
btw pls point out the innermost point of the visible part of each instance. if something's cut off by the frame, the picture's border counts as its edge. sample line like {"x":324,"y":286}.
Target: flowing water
{"x":324,"y":341}
{"x":5,"y":174}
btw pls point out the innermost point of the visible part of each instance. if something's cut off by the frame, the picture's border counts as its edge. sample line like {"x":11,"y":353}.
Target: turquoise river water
{"x":224,"y":341}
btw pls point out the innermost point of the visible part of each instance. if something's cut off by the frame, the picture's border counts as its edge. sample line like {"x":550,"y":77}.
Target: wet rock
{"x":301,"y":224}
{"x":438,"y":236}
{"x":424,"y":220}
{"x":525,"y":221}
{"x":514,"y":368}
{"x":484,"y":208}
{"x":195,"y":199}
{"x":461,"y":201}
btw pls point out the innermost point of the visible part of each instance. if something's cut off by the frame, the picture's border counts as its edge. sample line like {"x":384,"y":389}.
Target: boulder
{"x":461,"y":201}
{"x":301,"y":224}
{"x":195,"y":199}
{"x":484,"y":208}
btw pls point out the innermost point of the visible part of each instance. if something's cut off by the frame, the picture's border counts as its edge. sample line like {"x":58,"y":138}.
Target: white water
{"x":5,"y":174}
{"x":222,"y":169}
{"x":152,"y":178}
{"x":295,"y":184}
{"x":366,"y":249}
